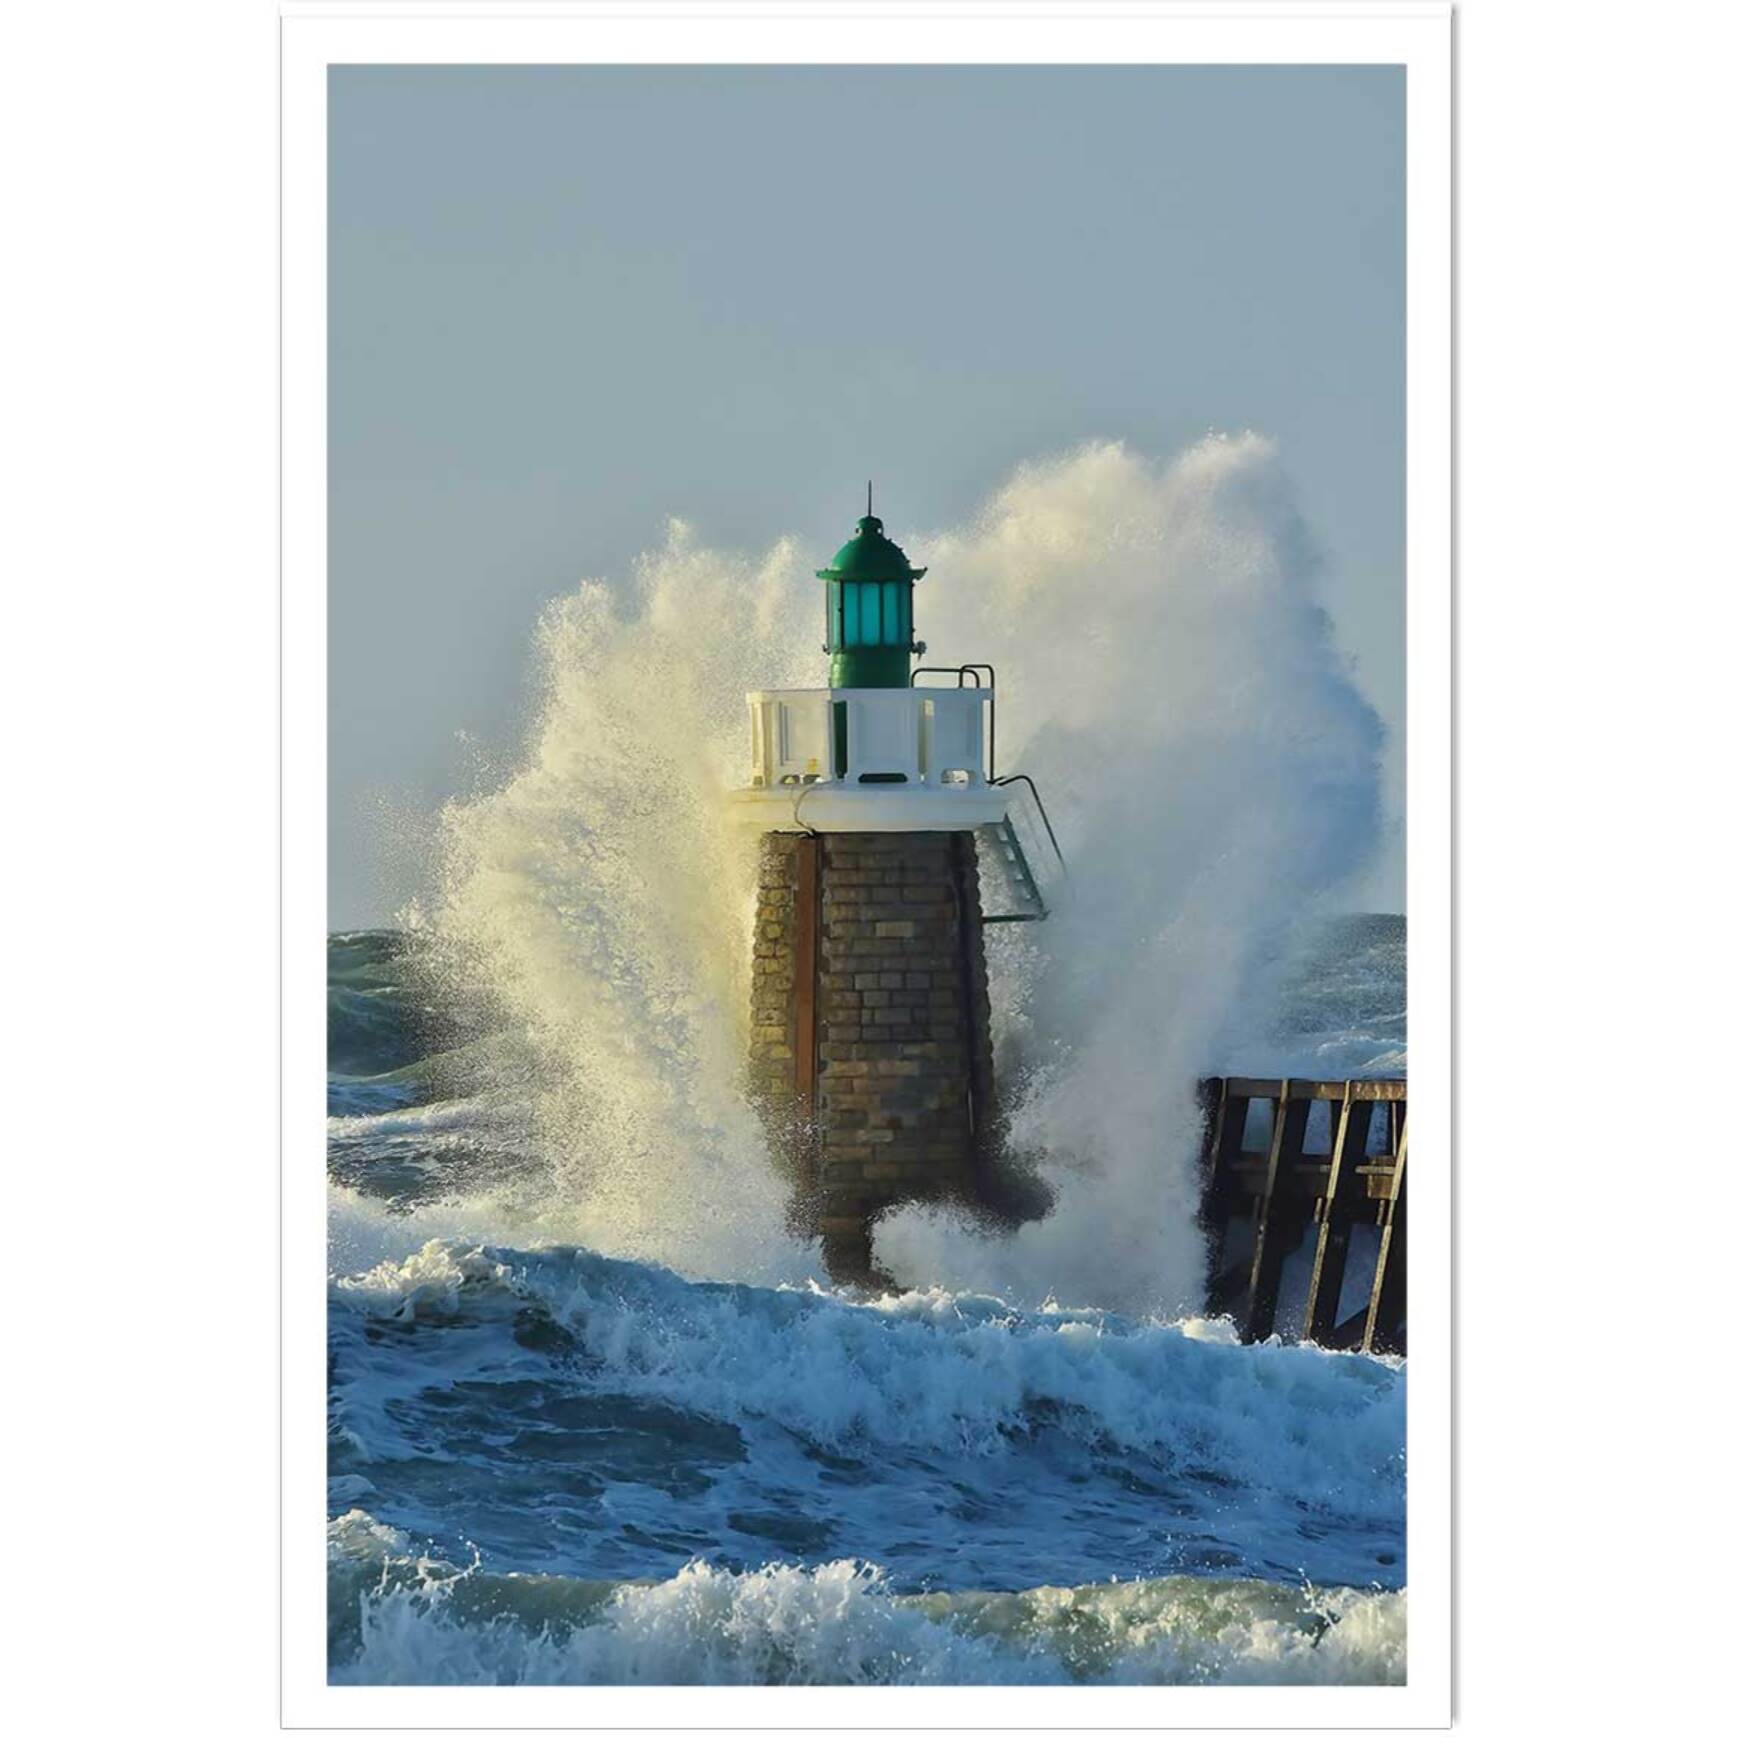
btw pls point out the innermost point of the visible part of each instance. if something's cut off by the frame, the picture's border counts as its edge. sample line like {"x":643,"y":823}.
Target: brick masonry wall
{"x":900,"y":1097}
{"x":772,"y":1007}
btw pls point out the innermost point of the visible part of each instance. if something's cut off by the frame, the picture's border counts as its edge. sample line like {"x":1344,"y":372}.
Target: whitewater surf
{"x":594,"y":1414}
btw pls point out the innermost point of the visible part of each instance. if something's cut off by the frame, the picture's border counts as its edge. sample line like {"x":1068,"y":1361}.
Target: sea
{"x":551,"y":1465}
{"x":595,"y":1413}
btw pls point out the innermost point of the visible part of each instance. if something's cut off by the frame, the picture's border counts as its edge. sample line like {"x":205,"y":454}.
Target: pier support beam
{"x":1268,"y":1198}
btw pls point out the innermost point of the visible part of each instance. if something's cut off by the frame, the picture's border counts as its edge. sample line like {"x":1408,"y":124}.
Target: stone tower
{"x":870,"y":1052}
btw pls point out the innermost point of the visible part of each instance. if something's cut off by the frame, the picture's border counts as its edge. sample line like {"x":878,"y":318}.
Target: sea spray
{"x":1167,"y":675}
{"x":398,"y":1617}
{"x":1170,"y":680}
{"x":599,"y":899}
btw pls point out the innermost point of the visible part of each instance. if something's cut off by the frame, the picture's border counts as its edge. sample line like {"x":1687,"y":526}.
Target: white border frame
{"x":887,"y":32}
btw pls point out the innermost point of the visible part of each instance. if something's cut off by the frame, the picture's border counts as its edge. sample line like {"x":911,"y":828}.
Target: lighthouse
{"x":878,"y":805}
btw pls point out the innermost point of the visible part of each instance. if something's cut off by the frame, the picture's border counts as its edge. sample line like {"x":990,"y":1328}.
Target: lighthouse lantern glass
{"x":868,"y":615}
{"x":868,"y":611}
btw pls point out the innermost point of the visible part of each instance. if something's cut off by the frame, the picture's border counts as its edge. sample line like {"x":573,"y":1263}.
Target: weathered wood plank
{"x":1372,"y":1091}
{"x":1333,"y":1222}
{"x":1360,"y":1185}
{"x":1282,"y":1190}
{"x":1279,"y":1220}
{"x":1209,"y":1094}
{"x":1228,"y":1130}
{"x":1387,"y":1290}
{"x":1240,"y":1088}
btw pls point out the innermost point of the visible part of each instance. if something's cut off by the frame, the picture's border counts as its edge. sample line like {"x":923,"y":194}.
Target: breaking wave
{"x":1168,"y":676}
{"x":399,"y":1618}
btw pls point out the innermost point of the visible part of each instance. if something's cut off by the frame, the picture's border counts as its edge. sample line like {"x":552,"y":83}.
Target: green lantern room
{"x":868,"y":611}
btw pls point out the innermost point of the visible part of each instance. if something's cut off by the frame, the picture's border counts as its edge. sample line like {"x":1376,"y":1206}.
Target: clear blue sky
{"x":567,"y":303}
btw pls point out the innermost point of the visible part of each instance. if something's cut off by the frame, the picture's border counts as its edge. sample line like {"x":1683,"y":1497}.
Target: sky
{"x":567,"y":303}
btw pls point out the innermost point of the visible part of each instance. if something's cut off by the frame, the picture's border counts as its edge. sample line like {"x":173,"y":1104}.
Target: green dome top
{"x":870,"y":555}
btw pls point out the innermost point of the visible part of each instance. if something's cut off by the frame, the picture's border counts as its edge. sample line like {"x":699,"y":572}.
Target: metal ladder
{"x":1002,"y":836}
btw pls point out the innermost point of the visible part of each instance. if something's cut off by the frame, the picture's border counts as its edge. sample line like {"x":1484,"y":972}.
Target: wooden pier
{"x":1297,"y":1174}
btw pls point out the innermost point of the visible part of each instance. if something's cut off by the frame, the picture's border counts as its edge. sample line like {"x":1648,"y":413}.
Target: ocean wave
{"x":377,"y":1018}
{"x":397,"y":1617}
{"x":415,"y":1120}
{"x":936,"y":1369}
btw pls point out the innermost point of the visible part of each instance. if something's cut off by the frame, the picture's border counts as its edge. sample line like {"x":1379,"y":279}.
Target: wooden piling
{"x":1333,"y":1221}
{"x":1277,"y":1218}
{"x":1283,"y":1192}
{"x":1384,"y":1330}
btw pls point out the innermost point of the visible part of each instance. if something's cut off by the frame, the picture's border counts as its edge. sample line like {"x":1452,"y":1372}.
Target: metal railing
{"x":959,"y":671}
{"x":1042,"y":812}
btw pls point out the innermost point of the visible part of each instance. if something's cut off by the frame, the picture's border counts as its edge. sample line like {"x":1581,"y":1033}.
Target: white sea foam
{"x":1165,"y":672}
{"x":415,"y":1621}
{"x":364,"y":1234}
{"x":961,"y":1373}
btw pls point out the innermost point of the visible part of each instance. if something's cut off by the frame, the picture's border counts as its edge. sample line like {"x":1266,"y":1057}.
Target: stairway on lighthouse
{"x":1005,"y":857}
{"x":1006,"y":862}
